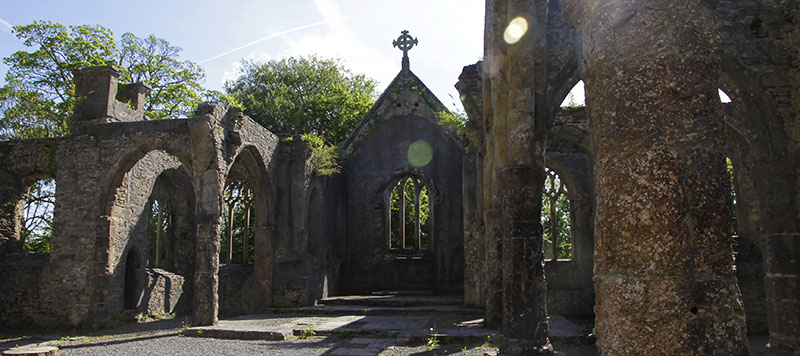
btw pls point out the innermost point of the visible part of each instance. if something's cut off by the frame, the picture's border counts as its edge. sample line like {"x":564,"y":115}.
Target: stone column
{"x":781,"y":243}
{"x":781,"y":199}
{"x":209,"y":182}
{"x":471,"y":89}
{"x":664,"y":272}
{"x":515,"y":59}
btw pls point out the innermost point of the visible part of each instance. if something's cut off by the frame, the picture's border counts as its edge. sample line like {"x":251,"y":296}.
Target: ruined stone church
{"x":651,"y":253}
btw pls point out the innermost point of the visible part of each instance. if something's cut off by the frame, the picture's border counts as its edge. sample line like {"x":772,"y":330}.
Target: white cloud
{"x":340,"y":42}
{"x":232,"y":72}
{"x":7,"y":25}
{"x":268,"y":37}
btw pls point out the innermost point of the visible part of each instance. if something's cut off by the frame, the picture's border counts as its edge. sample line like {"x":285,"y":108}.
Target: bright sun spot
{"x":420,"y":153}
{"x":515,"y":30}
{"x":724,"y":97}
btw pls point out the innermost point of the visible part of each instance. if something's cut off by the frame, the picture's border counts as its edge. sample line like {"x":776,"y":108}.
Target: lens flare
{"x":420,"y":153}
{"x":515,"y":30}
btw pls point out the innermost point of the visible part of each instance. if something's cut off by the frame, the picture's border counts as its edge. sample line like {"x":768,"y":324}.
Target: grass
{"x":308,"y":333}
{"x":432,"y":341}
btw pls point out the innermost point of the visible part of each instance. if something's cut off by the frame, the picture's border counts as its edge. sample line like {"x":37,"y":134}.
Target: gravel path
{"x":180,"y":345}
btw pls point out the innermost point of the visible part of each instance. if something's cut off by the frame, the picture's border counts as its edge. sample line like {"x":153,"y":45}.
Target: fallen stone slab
{"x":236,"y":334}
{"x":33,"y":351}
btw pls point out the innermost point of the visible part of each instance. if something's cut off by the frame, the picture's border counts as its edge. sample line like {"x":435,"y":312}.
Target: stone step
{"x":393,"y":300}
{"x":405,"y":292}
{"x":378,"y":310}
{"x":412,"y":328}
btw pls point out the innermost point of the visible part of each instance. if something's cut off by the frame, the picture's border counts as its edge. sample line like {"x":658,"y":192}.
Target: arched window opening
{"x":734,"y":216}
{"x":237,"y":225}
{"x":576,"y":96}
{"x":556,"y":218}
{"x":37,"y":219}
{"x":409,"y":214}
{"x":132,"y":292}
{"x":160,"y":223}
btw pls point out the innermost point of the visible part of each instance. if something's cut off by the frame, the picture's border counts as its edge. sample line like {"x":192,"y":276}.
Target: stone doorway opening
{"x":132,"y":290}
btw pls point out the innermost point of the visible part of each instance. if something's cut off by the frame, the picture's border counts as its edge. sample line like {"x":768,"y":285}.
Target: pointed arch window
{"x":410,"y":214}
{"x":238,"y":226}
{"x":556,"y":218}
{"x":160,"y":223}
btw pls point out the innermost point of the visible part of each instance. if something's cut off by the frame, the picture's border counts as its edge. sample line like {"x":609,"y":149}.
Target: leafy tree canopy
{"x":304,"y":95}
{"x":38,"y":97}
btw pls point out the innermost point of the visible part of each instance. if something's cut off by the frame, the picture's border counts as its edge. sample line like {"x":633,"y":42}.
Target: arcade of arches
{"x":618,"y":211}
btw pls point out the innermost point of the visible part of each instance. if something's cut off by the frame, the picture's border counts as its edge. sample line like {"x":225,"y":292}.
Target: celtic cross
{"x":405,"y":42}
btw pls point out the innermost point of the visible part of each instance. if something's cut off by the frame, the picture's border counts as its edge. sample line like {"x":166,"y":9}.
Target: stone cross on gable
{"x":405,"y":42}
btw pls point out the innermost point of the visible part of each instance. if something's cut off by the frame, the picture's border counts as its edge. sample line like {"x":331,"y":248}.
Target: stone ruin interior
{"x":144,"y":211}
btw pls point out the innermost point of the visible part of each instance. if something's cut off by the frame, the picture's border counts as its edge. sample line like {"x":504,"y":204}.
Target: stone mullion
{"x":417,"y":230}
{"x":553,"y":225}
{"x":229,"y":231}
{"x":401,"y":198}
{"x":664,"y":274}
{"x":159,"y":228}
{"x":246,"y":235}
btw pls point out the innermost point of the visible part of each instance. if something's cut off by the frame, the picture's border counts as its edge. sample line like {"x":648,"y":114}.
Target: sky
{"x":219,"y":34}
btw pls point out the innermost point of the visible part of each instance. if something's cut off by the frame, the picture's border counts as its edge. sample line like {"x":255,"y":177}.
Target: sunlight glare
{"x":515,"y":30}
{"x":420,"y":153}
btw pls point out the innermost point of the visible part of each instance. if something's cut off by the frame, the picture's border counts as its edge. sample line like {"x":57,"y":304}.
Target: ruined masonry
{"x":653,"y":252}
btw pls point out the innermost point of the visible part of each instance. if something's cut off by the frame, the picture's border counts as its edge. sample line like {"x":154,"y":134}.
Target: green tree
{"x":38,"y":97}
{"x":304,"y":95}
{"x":175,"y":84}
{"x":409,"y":220}
{"x":555,"y":187}
{"x":37,"y":223}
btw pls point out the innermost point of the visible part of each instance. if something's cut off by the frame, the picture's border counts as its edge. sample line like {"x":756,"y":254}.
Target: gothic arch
{"x":248,"y":164}
{"x":124,"y":197}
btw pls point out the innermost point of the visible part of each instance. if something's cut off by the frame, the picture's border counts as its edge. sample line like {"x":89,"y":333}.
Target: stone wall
{"x":20,"y":275}
{"x":292,"y":265}
{"x":759,"y":71}
{"x":109,"y":172}
{"x":163,"y":293}
{"x":377,"y":153}
{"x":759,"y":58}
{"x":24,"y":162}
{"x":235,"y":290}
{"x":570,"y":289}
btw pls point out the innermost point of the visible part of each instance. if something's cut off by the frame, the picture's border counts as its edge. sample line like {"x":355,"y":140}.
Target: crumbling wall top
{"x":102,"y":99}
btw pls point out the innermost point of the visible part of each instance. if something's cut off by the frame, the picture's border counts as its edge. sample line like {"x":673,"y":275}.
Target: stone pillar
{"x":209,"y":182}
{"x":781,"y":198}
{"x":494,"y":271}
{"x":781,"y":241}
{"x":516,"y":84}
{"x":664,"y":268}
{"x":475,"y":282}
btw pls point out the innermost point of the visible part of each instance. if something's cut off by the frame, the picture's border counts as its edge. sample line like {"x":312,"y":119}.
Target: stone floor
{"x":356,"y":325}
